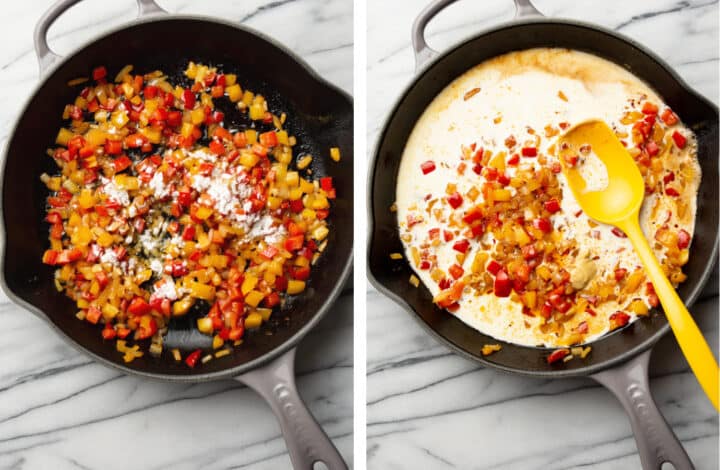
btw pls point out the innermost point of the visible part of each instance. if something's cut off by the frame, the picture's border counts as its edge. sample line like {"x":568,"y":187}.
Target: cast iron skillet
{"x":319,"y":114}
{"x":619,"y":360}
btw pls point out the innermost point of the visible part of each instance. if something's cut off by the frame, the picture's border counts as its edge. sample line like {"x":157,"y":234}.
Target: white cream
{"x":520,"y":94}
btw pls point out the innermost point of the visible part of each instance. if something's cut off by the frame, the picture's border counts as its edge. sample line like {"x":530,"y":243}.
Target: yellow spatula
{"x":619,"y":205}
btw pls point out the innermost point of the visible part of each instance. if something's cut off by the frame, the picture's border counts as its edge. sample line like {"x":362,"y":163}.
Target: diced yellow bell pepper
{"x":187,"y":129}
{"x":130,"y":183}
{"x":335,"y":154}
{"x":253,"y":320}
{"x":217,"y":342}
{"x":253,"y":298}
{"x":248,"y":159}
{"x":251,"y":136}
{"x":230,"y":79}
{"x":109,"y":311}
{"x":197,"y":116}
{"x":63,"y":136}
{"x":95,"y":137}
{"x":83,"y":236}
{"x":502,"y":195}
{"x":119,"y":118}
{"x":248,"y":284}
{"x":257,"y":112}
{"x":202,"y":291}
{"x":86,"y":199}
{"x":105,"y":239}
{"x":282,"y":137}
{"x":203,"y":213}
{"x":248,"y":97}
{"x":181,"y":307}
{"x":205,"y":325}
{"x":295,"y":287}
{"x":234,"y":92}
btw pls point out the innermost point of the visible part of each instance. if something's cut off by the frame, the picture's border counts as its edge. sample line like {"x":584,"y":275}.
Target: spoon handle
{"x":689,"y":337}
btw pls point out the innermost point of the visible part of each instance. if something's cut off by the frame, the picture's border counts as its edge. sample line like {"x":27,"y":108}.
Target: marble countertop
{"x":429,"y":408}
{"x":58,"y":409}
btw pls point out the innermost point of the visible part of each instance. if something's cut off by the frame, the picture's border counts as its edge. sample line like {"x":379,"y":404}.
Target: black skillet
{"x":319,"y":114}
{"x":619,"y":360}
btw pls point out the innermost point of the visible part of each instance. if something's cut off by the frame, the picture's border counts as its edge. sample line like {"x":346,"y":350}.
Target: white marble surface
{"x":428,"y":408}
{"x":58,"y":410}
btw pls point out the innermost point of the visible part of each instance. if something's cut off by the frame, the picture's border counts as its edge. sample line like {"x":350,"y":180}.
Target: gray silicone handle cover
{"x":306,"y":441}
{"x":46,"y":57}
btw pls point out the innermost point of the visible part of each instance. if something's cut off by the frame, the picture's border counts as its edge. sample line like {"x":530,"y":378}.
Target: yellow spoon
{"x":619,"y":205}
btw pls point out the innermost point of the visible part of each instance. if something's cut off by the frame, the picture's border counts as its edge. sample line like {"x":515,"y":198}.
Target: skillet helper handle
{"x":306,"y":441}
{"x":424,"y":53}
{"x":656,"y":442}
{"x":46,"y":56}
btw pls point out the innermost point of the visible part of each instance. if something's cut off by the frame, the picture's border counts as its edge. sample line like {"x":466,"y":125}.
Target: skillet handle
{"x":424,"y":53}
{"x":655,"y":440}
{"x":306,"y":441}
{"x":46,"y":56}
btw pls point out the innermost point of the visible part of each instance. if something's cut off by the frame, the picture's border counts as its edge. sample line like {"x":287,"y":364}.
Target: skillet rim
{"x":626,"y":355}
{"x":229,"y":372}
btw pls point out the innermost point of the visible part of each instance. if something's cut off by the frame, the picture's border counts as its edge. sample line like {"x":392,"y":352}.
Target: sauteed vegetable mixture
{"x":157,"y":206}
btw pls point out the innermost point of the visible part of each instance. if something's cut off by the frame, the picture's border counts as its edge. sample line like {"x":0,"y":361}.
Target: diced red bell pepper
{"x":138,"y":306}
{"x":649,"y":108}
{"x":571,"y":160}
{"x":557,"y":355}
{"x":493,"y":267}
{"x":456,"y":271}
{"x":68,"y":256}
{"x":268,"y":139}
{"x":122,"y":163}
{"x":93,"y":315}
{"x":552,"y":206}
{"x":502,"y":285}
{"x":188,"y":233}
{"x":619,"y":319}
{"x":188,"y":98}
{"x":326,"y":183}
{"x":113,"y":147}
{"x":53,"y":217}
{"x":472,"y":215}
{"x":669,"y":117}
{"x":669,"y":177}
{"x":670,"y":191}
{"x":109,"y":332}
{"x":652,"y":148}
{"x":679,"y":139}
{"x":529,"y":152}
{"x":294,"y":243}
{"x":447,"y":235}
{"x":514,"y":159}
{"x":529,"y":252}
{"x":222,"y":133}
{"x":271,"y":300}
{"x":301,"y":273}
{"x":490,"y":173}
{"x":147,"y":332}
{"x":150,"y":91}
{"x":683,"y":239}
{"x":192,"y":358}
{"x":542,"y":224}
{"x":620,"y":274}
{"x":461,"y":246}
{"x":259,"y":150}
{"x":50,"y":257}
{"x":427,"y":167}
{"x":99,"y":73}
{"x":296,"y":206}
{"x":240,"y":140}
{"x":618,"y":233}
{"x":455,"y":200}
{"x":217,"y":147}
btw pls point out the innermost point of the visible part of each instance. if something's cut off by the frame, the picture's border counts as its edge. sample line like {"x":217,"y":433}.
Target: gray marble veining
{"x":59,"y":410}
{"x":427,"y":407}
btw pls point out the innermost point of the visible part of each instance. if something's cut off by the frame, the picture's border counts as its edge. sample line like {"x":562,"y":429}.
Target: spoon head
{"x":602,"y":175}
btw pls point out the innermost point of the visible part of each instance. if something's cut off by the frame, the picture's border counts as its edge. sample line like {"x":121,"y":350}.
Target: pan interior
{"x":318,"y":115}
{"x":695,"y":111}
